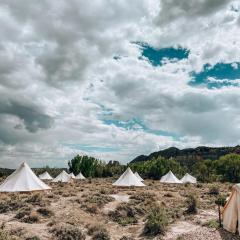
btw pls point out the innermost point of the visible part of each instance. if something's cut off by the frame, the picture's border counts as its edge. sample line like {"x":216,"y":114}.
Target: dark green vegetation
{"x":206,"y":164}
{"x":157,"y":221}
{"x":192,"y":204}
{"x":190,"y":156}
{"x":92,"y":167}
{"x":68,"y":232}
{"x":98,"y":233}
{"x":157,"y":167}
{"x":225,"y":169}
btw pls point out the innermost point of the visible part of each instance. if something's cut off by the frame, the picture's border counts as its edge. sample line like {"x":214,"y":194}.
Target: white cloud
{"x":58,"y":78}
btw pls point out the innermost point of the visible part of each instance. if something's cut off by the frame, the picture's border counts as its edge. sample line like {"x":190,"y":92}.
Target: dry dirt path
{"x":111,"y":206}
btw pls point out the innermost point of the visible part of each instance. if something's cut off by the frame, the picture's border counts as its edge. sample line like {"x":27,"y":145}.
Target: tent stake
{"x":219,"y":216}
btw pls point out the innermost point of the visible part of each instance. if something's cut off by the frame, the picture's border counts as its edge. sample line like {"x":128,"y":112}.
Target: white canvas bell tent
{"x":45,"y":176}
{"x":138,"y":176}
{"x":62,"y":177}
{"x":169,"y":178}
{"x":231,"y":211}
{"x":72,"y":175}
{"x":128,"y":179}
{"x":187,"y":178}
{"x":23,"y":179}
{"x":80,"y":176}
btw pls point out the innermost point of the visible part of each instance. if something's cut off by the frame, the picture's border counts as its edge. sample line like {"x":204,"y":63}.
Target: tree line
{"x":226,"y":168}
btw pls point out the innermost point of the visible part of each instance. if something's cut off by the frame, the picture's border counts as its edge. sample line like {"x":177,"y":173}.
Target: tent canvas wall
{"x":62,"y":177}
{"x":45,"y":176}
{"x":188,"y":179}
{"x":138,"y":176}
{"x":128,"y":179}
{"x":23,"y":179}
{"x":169,"y":178}
{"x":80,"y":176}
{"x":231,"y":211}
{"x":72,"y":175}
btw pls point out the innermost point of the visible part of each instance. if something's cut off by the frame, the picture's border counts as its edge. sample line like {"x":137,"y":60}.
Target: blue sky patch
{"x":217,"y":76}
{"x":132,"y":124}
{"x":157,"y":56}
{"x":137,"y":124}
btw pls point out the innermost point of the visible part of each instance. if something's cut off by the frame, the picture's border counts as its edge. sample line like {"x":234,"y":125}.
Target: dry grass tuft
{"x":157,"y":222}
{"x":124,"y":214}
{"x":45,"y":212}
{"x":126,"y":238}
{"x":68,"y":232}
{"x":11,"y":205}
{"x":31,"y":218}
{"x":98,"y":232}
{"x":192,"y":204}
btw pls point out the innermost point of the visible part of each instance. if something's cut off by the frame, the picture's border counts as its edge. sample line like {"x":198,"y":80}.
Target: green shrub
{"x":35,"y":199}
{"x":174,"y":213}
{"x":23,"y":212}
{"x":11,"y":205}
{"x":221,"y":200}
{"x":99,"y":199}
{"x":211,"y":224}
{"x":32,"y":218}
{"x":98,"y":233}
{"x":27,"y":215}
{"x":4,"y":235}
{"x":192,"y":204}
{"x":45,"y":212}
{"x":33,"y":238}
{"x":180,"y":238}
{"x":68,"y":232}
{"x":126,"y":238}
{"x":214,"y":190}
{"x":124,"y":214}
{"x":157,"y":222}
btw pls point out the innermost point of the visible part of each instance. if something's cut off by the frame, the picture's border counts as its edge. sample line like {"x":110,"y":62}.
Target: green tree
{"x":157,"y":167}
{"x":200,"y":170}
{"x":89,"y":166}
{"x":229,"y":167}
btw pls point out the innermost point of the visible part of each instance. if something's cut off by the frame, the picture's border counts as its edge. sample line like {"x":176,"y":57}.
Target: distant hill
{"x":189,"y":156}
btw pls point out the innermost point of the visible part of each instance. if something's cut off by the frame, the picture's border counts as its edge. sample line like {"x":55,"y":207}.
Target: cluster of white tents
{"x":171,"y":178}
{"x":128,"y":178}
{"x":62,"y":177}
{"x":23,"y":179}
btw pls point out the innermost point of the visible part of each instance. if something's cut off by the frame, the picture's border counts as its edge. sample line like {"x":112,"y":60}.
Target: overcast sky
{"x":116,"y":79}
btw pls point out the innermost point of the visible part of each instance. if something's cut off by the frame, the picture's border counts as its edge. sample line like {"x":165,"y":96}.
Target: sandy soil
{"x":83,"y":204}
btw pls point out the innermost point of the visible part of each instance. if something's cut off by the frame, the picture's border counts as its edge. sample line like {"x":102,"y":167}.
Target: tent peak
{"x":23,"y":179}
{"x":128,"y":179}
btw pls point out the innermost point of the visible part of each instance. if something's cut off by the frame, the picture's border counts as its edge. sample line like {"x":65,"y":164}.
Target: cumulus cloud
{"x":60,"y":83}
{"x":32,"y":117}
{"x":171,"y":10}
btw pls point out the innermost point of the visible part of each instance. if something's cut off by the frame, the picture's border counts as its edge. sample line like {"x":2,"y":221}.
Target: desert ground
{"x":94,"y":209}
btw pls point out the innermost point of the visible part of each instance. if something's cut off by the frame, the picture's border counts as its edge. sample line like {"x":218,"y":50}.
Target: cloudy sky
{"x":116,"y":79}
